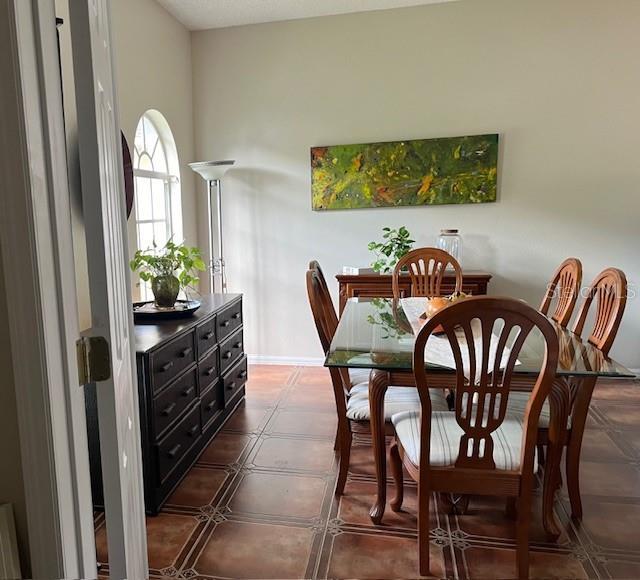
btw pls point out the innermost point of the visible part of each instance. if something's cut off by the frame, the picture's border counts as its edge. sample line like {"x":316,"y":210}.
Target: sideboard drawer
{"x":171,"y":402}
{"x":206,"y":336}
{"x":229,"y":320}
{"x":168,"y":361}
{"x":211,"y":404}
{"x":234,"y":379}
{"x":174,"y":446}
{"x":208,"y":370}
{"x":231,"y":350}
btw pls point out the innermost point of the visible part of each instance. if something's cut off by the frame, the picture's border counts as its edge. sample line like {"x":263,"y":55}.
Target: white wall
{"x":153,"y":67}
{"x":558,"y":80}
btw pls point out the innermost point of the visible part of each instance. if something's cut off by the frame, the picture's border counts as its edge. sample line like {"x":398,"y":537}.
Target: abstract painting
{"x":419,"y":172}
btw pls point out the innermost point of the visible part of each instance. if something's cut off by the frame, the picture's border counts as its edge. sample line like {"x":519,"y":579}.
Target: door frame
{"x":39,"y":270}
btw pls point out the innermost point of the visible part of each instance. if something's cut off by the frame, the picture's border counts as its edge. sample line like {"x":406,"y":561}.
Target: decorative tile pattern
{"x":259,"y":502}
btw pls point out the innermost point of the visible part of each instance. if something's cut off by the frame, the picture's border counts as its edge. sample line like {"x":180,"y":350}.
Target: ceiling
{"x":204,"y":14}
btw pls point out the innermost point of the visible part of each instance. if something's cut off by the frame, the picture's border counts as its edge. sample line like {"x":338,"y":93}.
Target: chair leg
{"x":336,"y":444}
{"x":522,"y":535}
{"x":423,"y":529}
{"x":573,"y":474}
{"x":398,"y":478}
{"x":344,"y":448}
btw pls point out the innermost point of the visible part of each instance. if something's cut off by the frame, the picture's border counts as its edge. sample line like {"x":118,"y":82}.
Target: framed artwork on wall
{"x":448,"y":170}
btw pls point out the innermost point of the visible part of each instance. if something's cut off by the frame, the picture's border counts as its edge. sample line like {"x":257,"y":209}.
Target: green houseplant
{"x":394,"y":245}
{"x":169,"y":269}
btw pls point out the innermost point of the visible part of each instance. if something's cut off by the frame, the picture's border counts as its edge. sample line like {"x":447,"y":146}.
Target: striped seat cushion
{"x":517,"y":404}
{"x":445,"y":439}
{"x":357,"y":376}
{"x":396,"y":400}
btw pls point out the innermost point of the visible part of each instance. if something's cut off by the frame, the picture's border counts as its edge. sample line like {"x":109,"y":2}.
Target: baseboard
{"x":260,"y":359}
{"x":635,"y":372}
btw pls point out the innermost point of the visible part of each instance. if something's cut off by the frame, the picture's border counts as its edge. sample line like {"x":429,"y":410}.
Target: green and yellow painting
{"x":396,"y":173}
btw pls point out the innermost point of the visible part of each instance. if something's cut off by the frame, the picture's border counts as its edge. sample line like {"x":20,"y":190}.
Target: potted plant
{"x":395,"y":244}
{"x":169,"y":269}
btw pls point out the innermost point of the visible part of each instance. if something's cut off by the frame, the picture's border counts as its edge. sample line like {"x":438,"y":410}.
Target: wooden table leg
{"x":378,"y":383}
{"x":559,"y":403}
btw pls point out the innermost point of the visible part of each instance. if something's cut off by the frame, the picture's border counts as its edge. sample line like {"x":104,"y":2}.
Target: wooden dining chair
{"x":479,"y":449}
{"x":564,"y":287}
{"x":609,"y":290}
{"x":426,"y":268}
{"x":351,"y":387}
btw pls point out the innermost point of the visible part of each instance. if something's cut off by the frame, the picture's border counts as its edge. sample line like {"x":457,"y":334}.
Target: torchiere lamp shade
{"x":212,"y":170}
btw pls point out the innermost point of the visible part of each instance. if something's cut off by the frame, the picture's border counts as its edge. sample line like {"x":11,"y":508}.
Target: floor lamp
{"x":212,"y":172}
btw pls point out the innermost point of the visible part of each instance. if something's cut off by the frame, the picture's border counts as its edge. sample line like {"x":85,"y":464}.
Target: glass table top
{"x":375,"y":333}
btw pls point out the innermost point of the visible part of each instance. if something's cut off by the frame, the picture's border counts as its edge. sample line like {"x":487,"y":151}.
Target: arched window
{"x":157,"y":183}
{"x":158,"y":207}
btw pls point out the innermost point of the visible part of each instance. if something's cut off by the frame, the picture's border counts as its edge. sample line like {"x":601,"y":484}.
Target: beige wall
{"x":557,"y":80}
{"x":153,"y":67}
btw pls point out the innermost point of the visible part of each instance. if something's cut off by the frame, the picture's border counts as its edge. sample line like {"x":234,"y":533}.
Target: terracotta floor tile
{"x":358,"y":498}
{"x":280,"y":453}
{"x":265,"y":375}
{"x":486,"y":517}
{"x":622,"y":570}
{"x":617,"y":390}
{"x":609,"y":479}
{"x":303,"y":423}
{"x":250,"y":550}
{"x":379,"y":556}
{"x":167,"y":534}
{"x":270,"y":494}
{"x":247,"y":419}
{"x":225,"y":448}
{"x":501,"y":563}
{"x":612,"y":525}
{"x":621,"y":415}
{"x":598,"y":446}
{"x":198,"y":488}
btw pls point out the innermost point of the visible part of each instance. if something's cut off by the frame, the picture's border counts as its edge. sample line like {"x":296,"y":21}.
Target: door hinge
{"x":94,"y":361}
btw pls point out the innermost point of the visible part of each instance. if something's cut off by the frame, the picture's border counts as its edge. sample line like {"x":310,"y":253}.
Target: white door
{"x":105,"y":224}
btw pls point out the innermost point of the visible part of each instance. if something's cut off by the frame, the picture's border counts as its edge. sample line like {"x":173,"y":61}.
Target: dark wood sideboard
{"x":191,"y":377}
{"x":379,"y":285}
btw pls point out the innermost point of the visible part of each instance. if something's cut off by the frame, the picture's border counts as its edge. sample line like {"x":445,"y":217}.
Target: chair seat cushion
{"x":445,"y":439}
{"x":358,"y":376}
{"x":396,"y":400}
{"x":518,"y":403}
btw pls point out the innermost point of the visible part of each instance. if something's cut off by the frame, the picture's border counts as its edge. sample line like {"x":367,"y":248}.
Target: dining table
{"x":376,"y":334}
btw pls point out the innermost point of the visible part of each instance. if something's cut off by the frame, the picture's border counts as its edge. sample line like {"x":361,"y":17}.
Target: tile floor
{"x":260,"y":504}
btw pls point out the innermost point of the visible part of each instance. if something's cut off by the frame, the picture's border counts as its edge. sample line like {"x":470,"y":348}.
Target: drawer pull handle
{"x":166,"y":366}
{"x":208,"y":335}
{"x":168,"y":409}
{"x":236,"y":316}
{"x":210,"y":406}
{"x":231,"y":386}
{"x":210,"y":371}
{"x":185,"y":352}
{"x":242,"y":374}
{"x":187,"y":392}
{"x":237,"y":345}
{"x":173,"y":452}
{"x":192,"y":431}
{"x":225,"y":323}
{"x":227,"y":354}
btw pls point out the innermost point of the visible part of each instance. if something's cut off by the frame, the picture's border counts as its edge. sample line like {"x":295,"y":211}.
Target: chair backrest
{"x":326,"y":321}
{"x":565,"y":286}
{"x":486,"y":335}
{"x":426,"y":268}
{"x":609,"y":288}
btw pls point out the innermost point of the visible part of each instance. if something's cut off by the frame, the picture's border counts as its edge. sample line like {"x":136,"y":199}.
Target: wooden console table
{"x":191,"y":377}
{"x":379,"y":285}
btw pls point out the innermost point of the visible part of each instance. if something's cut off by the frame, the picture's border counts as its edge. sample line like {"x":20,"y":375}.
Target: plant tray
{"x":148,"y":311}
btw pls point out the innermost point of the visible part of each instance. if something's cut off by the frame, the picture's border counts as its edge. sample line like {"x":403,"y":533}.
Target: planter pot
{"x":165,"y":290}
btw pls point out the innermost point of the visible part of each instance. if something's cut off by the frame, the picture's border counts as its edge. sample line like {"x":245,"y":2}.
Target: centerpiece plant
{"x":394,"y":245}
{"x":170,"y":269}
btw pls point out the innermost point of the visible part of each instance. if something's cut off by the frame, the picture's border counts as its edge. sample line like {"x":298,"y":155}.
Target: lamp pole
{"x":212,"y":172}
